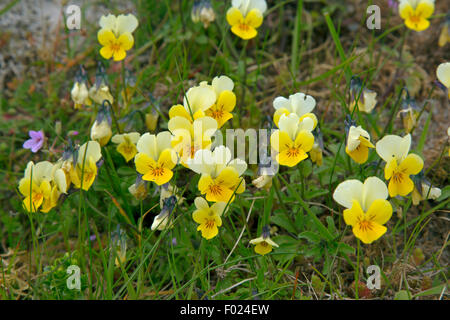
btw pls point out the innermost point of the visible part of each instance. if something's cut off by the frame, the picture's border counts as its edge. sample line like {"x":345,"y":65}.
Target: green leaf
{"x":283,"y":221}
{"x":402,"y":295}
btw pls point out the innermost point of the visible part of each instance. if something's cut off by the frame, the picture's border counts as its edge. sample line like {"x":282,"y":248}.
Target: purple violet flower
{"x":393,"y":4}
{"x":36,"y":142}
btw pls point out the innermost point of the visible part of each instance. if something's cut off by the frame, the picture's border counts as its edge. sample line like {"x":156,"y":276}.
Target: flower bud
{"x":202,"y":11}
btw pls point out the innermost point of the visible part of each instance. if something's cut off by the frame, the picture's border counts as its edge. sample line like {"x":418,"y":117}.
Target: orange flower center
{"x":210,"y":224}
{"x":37,"y":197}
{"x":217,"y":114}
{"x":158,"y":171}
{"x":114,"y":46}
{"x":365,"y":225}
{"x":215,"y":189}
{"x":293,"y":152}
{"x":244,"y":27}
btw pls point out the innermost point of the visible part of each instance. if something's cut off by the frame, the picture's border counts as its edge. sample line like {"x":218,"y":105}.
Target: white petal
{"x":443,"y":74}
{"x":222,"y":83}
{"x":393,"y":146}
{"x":239,"y":164}
{"x":205,"y":126}
{"x":353,"y":137}
{"x":147,"y":144}
{"x":134,"y":136}
{"x":221,"y":155}
{"x":370,"y":100}
{"x":373,"y":189}
{"x":179,"y":123}
{"x":281,"y":102}
{"x":202,"y":163}
{"x":199,"y":98}
{"x":108,"y":22}
{"x":257,"y":240}
{"x":42,"y":171}
{"x":118,"y":138}
{"x":126,"y":23}
{"x":289,"y":124}
{"x":219,"y":208}
{"x":60,"y":180}
{"x":163,"y":141}
{"x":348,"y":191}
{"x":301,"y":103}
{"x":306,"y":124}
{"x":261,"y":5}
{"x":201,"y":203}
{"x":92,"y":149}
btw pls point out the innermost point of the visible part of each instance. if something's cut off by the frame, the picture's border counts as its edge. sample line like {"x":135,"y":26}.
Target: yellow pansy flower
{"x":155,"y":158}
{"x":165,"y":219}
{"x":139,"y":188}
{"x":316,"y":154}
{"x":399,"y":164}
{"x":59,"y":186}
{"x":101,"y":131}
{"x":358,"y":144}
{"x":226,"y":100}
{"x":88,"y":156}
{"x":444,"y":37}
{"x":167,"y":191}
{"x":151,"y":120}
{"x":443,"y":75}
{"x":80,"y":95}
{"x":35,"y":186}
{"x":204,"y":12}
{"x":425,"y":193}
{"x":189,"y":137}
{"x":245,"y":16}
{"x":293,"y":139}
{"x":115,"y":35}
{"x":300,"y":104}
{"x":127,"y":144}
{"x":263,"y":244}
{"x":101,"y":93}
{"x":367,"y":208}
{"x":365,"y":99}
{"x":220,"y":176}
{"x":208,"y":218}
{"x":416,"y":13}
{"x":196,"y":101}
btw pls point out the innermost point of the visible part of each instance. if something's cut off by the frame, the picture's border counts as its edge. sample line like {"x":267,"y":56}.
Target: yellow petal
{"x":417,"y":23}
{"x":105,"y":37}
{"x":359,"y":155}
{"x":354,"y":214}
{"x":167,"y":159}
{"x":244,"y":31}
{"x":234,"y":16}
{"x":412,"y":164}
{"x":390,"y":167}
{"x":119,"y":55}
{"x":144,"y":163}
{"x":305,"y":140}
{"x":401,"y":188}
{"x":126,"y":41}
{"x":425,"y":9}
{"x":127,"y":150}
{"x":254,"y":18}
{"x":180,"y":111}
{"x":106,"y":52}
{"x":263,"y":248}
{"x":371,"y":234}
{"x":380,"y":211}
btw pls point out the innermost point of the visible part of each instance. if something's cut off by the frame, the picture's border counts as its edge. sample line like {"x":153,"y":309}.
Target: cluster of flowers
{"x":43,"y":183}
{"x":206,"y":108}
